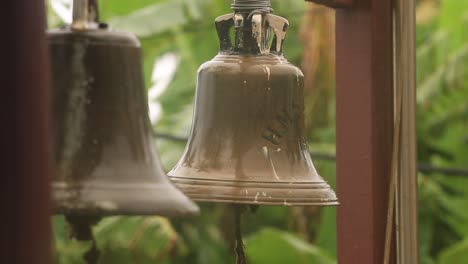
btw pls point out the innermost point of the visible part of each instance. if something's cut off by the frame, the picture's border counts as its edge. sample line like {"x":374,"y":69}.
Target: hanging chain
{"x":238,"y":243}
{"x":92,"y":255}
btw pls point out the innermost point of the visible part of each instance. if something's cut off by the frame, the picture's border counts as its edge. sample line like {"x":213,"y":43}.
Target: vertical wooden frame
{"x":405,"y":80}
{"x":24,"y":137}
{"x":364,"y":99}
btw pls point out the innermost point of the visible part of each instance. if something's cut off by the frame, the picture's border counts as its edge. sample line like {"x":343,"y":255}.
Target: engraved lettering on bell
{"x":279,"y":127}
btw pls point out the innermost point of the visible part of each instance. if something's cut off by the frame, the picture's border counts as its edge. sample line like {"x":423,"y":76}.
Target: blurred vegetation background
{"x":178,"y":35}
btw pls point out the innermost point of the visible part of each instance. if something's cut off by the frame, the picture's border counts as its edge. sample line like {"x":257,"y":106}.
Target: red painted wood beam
{"x":334,"y":3}
{"x":24,"y":135}
{"x":364,"y":99}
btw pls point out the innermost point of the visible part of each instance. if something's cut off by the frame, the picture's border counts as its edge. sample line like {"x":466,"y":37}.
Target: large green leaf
{"x":274,"y":246}
{"x":455,"y":254}
{"x":114,"y":8}
{"x":453,"y":16}
{"x":153,"y":19}
{"x":135,"y":239}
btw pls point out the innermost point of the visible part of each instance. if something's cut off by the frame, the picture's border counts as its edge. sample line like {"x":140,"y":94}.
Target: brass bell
{"x":106,"y":161}
{"x":247,"y":142}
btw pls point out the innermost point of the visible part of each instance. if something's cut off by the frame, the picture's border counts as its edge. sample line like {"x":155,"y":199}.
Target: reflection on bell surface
{"x":247,"y":142}
{"x":106,"y":161}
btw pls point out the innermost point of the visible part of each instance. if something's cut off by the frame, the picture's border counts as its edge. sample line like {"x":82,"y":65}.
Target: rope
{"x":394,"y":175}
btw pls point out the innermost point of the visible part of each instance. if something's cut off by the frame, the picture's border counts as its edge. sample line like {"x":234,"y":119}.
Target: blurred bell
{"x":106,"y":161}
{"x":247,"y":143}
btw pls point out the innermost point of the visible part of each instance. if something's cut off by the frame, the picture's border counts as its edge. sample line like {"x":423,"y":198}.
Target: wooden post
{"x":405,"y":80}
{"x":364,"y":99}
{"x":24,"y":136}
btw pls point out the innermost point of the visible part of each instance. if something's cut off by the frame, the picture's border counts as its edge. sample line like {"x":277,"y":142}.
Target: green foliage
{"x":66,"y":250}
{"x":274,"y":246}
{"x":455,"y":254}
{"x":135,"y":239}
{"x":442,"y":53}
{"x":152,"y":19}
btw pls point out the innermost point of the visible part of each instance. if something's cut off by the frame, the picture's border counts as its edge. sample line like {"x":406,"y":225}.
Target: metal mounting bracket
{"x":334,"y":3}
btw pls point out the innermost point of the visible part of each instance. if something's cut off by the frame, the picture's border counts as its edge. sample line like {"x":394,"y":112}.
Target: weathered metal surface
{"x":364,"y":99}
{"x":335,"y":3}
{"x":247,"y":143}
{"x":26,"y":163}
{"x":106,"y":161}
{"x":85,"y":15}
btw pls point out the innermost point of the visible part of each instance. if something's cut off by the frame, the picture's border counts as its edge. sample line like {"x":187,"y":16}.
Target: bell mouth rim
{"x":239,"y":183}
{"x":121,"y":199}
{"x":257,"y":193}
{"x":265,"y":203}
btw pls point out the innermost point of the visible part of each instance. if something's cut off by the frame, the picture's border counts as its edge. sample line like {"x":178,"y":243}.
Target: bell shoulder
{"x":217,"y":65}
{"x":278,"y":67}
{"x":271,"y":64}
{"x":288,"y":69}
{"x":93,"y":36}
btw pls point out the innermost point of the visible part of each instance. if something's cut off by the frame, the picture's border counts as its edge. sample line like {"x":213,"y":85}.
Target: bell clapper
{"x":80,"y":228}
{"x":237,"y":211}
